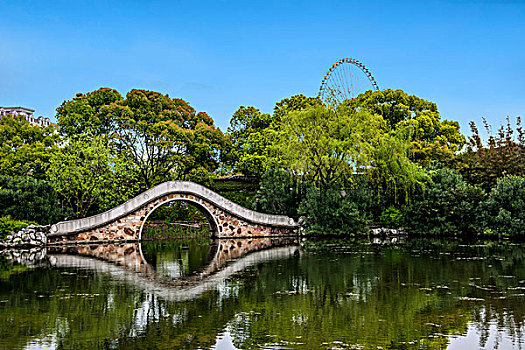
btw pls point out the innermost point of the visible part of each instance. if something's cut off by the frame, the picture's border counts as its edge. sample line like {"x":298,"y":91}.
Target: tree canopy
{"x":432,"y":138}
{"x":89,"y":176}
{"x":249,"y":140}
{"x":24,"y":148}
{"x":164,"y":137}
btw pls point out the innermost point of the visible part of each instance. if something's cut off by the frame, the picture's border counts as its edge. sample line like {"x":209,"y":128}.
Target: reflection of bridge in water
{"x":126,"y":263}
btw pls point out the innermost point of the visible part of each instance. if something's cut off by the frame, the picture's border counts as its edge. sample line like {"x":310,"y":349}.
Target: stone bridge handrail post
{"x":164,"y":189}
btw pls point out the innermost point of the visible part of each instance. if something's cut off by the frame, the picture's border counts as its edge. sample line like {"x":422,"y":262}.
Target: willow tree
{"x":327,"y":146}
{"x":330,"y":146}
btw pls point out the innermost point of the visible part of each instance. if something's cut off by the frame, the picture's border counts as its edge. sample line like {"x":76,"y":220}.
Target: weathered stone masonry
{"x":126,"y":222}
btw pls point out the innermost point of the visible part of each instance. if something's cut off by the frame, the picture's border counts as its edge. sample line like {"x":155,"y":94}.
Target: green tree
{"x":165,"y":138}
{"x":249,"y":141}
{"x":91,"y":177}
{"x":27,"y":198}
{"x":432,"y":138}
{"x":504,"y":210}
{"x":85,"y":113}
{"x":279,"y":192}
{"x":327,"y":146}
{"x":395,"y":175}
{"x":450,"y":206}
{"x":24,"y":148}
{"x":294,"y":103}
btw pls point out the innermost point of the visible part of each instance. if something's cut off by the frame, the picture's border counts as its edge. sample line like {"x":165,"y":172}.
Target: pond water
{"x":262,"y":293}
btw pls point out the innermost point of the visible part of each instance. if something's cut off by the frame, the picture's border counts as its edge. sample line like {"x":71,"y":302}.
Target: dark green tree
{"x":450,"y":206}
{"x":28,"y":198}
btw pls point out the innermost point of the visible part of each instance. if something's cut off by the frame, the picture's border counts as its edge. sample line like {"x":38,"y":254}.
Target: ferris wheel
{"x":346,"y":79}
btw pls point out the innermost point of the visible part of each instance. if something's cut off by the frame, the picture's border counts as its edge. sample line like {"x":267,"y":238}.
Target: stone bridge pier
{"x":126,"y":222}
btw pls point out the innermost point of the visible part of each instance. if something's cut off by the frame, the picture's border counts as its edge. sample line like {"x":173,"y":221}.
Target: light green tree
{"x":24,"y":148}
{"x":89,"y":175}
{"x":432,"y":139}
{"x":327,"y":146}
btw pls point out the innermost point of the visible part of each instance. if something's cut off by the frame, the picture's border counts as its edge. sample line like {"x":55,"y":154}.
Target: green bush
{"x":333,"y":211}
{"x":177,"y":211}
{"x":201,"y":176}
{"x":391,"y":217}
{"x":26,"y":198}
{"x":279,"y":193}
{"x":8,"y":225}
{"x":504,"y":210}
{"x":450,"y":206}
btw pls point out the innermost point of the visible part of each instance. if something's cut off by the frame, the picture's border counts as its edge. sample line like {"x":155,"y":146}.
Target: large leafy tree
{"x":294,"y":103}
{"x":249,"y":139}
{"x":24,"y":148}
{"x":327,"y":146}
{"x":164,"y":137}
{"x":251,"y":134}
{"x":330,"y":147}
{"x":83,"y":114}
{"x":90,"y":177}
{"x":432,"y":138}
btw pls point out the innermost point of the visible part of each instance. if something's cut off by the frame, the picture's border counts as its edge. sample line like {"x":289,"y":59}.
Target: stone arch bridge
{"x":126,"y":222}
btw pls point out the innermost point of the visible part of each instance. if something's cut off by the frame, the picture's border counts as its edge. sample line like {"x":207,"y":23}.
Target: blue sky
{"x":467,"y":56}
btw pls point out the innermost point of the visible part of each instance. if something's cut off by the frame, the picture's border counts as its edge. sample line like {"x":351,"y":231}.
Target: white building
{"x":27,"y":113}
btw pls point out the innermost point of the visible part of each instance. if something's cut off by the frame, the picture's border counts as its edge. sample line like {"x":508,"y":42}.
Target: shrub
{"x":504,"y":210}
{"x":201,"y":176}
{"x":332,"y":210}
{"x":449,"y":207}
{"x":8,"y":225}
{"x":391,"y":218}
{"x":279,"y":193}
{"x":26,"y":198}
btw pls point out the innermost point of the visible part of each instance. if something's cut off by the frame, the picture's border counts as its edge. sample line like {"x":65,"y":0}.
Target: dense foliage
{"x":90,"y":178}
{"x":249,"y":141}
{"x":279,"y":192}
{"x":163,"y":137}
{"x":432,"y":138}
{"x":450,"y":206}
{"x":27,"y":198}
{"x":25,"y":149}
{"x":504,"y":210}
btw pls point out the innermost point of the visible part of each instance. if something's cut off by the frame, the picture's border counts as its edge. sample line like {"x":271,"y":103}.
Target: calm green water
{"x":266,"y":294}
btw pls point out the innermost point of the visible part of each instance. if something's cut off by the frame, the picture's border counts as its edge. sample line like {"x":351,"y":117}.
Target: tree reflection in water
{"x":325,"y":294}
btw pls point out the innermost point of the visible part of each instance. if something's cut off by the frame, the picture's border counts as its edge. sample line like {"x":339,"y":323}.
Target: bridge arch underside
{"x":214,"y":226}
{"x":129,"y":227}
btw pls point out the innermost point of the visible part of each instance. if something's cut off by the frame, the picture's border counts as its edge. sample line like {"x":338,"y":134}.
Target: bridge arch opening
{"x":211,"y":220}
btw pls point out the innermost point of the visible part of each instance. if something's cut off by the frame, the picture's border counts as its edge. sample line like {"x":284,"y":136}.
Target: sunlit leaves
{"x":24,"y":148}
{"x":87,"y":174}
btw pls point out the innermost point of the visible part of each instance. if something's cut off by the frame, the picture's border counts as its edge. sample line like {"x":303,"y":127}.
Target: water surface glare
{"x":263,"y":293}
